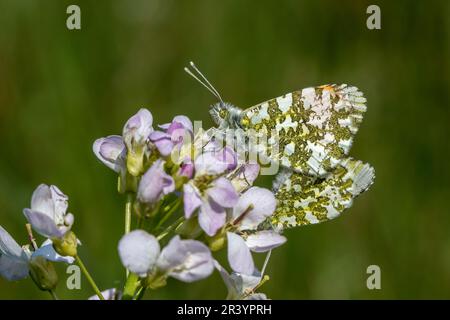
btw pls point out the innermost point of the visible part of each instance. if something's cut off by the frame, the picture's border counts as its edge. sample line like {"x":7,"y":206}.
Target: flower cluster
{"x":190,"y":196}
{"x":47,"y":216}
{"x":220,"y":205}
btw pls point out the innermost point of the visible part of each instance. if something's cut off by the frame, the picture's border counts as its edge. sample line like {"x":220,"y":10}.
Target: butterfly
{"x":309,"y":134}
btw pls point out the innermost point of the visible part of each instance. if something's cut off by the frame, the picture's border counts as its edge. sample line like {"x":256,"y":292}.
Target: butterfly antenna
{"x":205,"y":81}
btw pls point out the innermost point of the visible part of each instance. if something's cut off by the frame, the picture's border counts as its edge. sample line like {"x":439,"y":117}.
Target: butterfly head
{"x":224,"y":114}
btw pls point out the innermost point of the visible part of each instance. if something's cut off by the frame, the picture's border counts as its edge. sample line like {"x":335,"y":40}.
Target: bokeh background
{"x":62,"y":89}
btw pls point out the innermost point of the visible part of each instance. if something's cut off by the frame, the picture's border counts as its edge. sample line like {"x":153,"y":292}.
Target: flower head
{"x":209,"y":191}
{"x":173,"y":135}
{"x":253,"y":207}
{"x":48,"y":213}
{"x":211,"y":202}
{"x":135,"y":135}
{"x":129,"y":151}
{"x":185,"y":260}
{"x":15,"y":261}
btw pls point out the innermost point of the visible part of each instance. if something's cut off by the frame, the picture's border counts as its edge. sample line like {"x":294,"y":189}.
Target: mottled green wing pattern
{"x":311,"y":129}
{"x":304,"y":199}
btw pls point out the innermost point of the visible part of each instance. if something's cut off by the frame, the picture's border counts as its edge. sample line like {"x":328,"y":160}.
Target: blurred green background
{"x":62,"y":89}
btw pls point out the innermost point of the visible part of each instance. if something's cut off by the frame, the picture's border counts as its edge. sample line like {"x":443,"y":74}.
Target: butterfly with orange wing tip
{"x":313,"y":130}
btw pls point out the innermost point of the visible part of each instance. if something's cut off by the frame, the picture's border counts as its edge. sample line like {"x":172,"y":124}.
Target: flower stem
{"x":140,"y":293}
{"x":131,"y":286}
{"x":170,"y":211}
{"x":128,"y":204}
{"x":53,"y":294}
{"x":170,"y":228}
{"x":31,"y":237}
{"x":266,"y":262}
{"x":88,"y":277}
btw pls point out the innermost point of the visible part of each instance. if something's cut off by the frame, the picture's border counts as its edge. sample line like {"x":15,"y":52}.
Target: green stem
{"x":140,"y":293}
{"x":132,"y":284}
{"x":128,"y":205}
{"x":88,"y":277}
{"x":170,"y":228}
{"x":169,"y":213}
{"x":53,"y":294}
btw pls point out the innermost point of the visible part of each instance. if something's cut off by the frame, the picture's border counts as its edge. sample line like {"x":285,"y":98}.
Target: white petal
{"x":263,"y":241}
{"x":263,"y":202}
{"x":60,"y":204}
{"x":9,"y":246}
{"x":191,"y":199}
{"x":48,"y":252}
{"x":186,"y":260}
{"x":43,"y":224}
{"x":239,"y":255}
{"x":138,"y":251}
{"x":211,"y":217}
{"x":42,"y":201}
{"x":13,"y":269}
{"x":111,"y":151}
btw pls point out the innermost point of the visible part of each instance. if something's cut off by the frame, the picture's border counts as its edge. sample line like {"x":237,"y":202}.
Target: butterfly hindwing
{"x":311,"y":130}
{"x":304,"y":199}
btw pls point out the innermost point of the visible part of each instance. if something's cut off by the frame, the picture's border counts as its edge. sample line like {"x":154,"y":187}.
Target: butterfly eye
{"x":223,"y":113}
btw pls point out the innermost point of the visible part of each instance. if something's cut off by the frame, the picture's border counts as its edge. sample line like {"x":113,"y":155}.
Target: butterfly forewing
{"x":311,"y":129}
{"x":304,"y":199}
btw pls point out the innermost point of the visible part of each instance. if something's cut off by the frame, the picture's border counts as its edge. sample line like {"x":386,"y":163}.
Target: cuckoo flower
{"x":135,"y":136}
{"x":155,"y":183}
{"x":48,"y":213}
{"x":253,"y":207}
{"x":209,"y":191}
{"x":173,"y":135}
{"x":129,"y":150}
{"x":241,"y":286}
{"x":15,"y":260}
{"x":185,"y":260}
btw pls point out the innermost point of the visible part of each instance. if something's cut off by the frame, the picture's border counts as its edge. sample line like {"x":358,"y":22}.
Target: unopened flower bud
{"x":43,"y":273}
{"x":66,"y":246}
{"x":135,"y":161}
